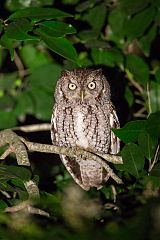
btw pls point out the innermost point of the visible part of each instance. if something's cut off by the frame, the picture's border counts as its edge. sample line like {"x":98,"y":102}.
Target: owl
{"x":83,"y":116}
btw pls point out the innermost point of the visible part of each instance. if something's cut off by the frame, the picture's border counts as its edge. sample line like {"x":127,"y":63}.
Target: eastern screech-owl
{"x":83,"y":116}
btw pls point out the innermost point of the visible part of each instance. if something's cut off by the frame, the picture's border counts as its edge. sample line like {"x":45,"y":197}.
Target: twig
{"x":37,"y":211}
{"x":133,"y":82}
{"x":5,"y":194}
{"x":110,"y":157}
{"x":114,"y":193}
{"x":34,"y":127}
{"x":26,"y":205}
{"x":17,"y":207}
{"x":19,"y":65}
{"x":149,"y":99}
{"x":6,"y":153}
{"x":140,"y":102}
{"x":140,"y":112}
{"x":32,"y":189}
{"x":155,"y":159}
{"x":111,"y":206}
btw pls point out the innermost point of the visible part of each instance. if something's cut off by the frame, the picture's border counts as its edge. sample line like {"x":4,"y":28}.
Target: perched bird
{"x":83,"y":116}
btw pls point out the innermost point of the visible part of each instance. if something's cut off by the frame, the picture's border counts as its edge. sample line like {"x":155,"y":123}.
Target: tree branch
{"x":26,"y":206}
{"x":34,"y":127}
{"x":17,"y":145}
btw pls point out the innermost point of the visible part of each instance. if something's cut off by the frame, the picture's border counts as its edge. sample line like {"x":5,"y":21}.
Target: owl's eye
{"x":92,"y":85}
{"x":72,"y":86}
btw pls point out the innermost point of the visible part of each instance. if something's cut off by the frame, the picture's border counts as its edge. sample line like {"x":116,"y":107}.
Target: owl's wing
{"x":73,"y":168}
{"x":114,"y":123}
{"x":54,"y":135}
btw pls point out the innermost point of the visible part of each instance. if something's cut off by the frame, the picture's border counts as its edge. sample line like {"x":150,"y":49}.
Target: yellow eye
{"x":92,"y":85}
{"x":72,"y":86}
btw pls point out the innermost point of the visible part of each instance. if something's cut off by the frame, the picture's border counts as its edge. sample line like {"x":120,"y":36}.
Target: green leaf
{"x":130,"y":132}
{"x":37,"y":14}
{"x":138,"y":68}
{"x":151,"y":182}
{"x":20,"y":172}
{"x":154,"y":96}
{"x":156,"y":3}
{"x":49,"y":200}
{"x":33,"y":57}
{"x":133,"y":159}
{"x":131,"y":7}
{"x":22,"y":194}
{"x":153,"y":125}
{"x":11,"y":172}
{"x":96,"y":22}
{"x":24,"y":104}
{"x":43,"y":104}
{"x":6,"y":102}
{"x":56,"y":29}
{"x":38,"y":78}
{"x":87,"y":35}
{"x":106,"y":57}
{"x":135,"y":26}
{"x":41,"y":89}
{"x":157,"y":18}
{"x":147,"y":144}
{"x":60,"y":46}
{"x":117,"y":16}
{"x":129,"y":96}
{"x":157,"y":75}
{"x":70,"y":2}
{"x":95,"y":44}
{"x":4,"y":186}
{"x":156,"y":171}
{"x":3,"y":205}
{"x":19,"y":29}
{"x":8,"y":44}
{"x":83,"y":60}
{"x":7,"y":81}
{"x":13,"y":5}
{"x":3,"y":55}
{"x":147,"y":39}
{"x":82,"y":6}
{"x":18,"y":183}
{"x":7,"y":119}
{"x":89,"y":38}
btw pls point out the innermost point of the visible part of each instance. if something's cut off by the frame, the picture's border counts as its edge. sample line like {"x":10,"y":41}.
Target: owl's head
{"x":82,"y":85}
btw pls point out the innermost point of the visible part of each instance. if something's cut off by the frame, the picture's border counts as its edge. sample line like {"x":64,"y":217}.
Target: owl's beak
{"x":82,"y":95}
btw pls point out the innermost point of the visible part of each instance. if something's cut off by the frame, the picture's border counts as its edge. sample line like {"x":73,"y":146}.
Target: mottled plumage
{"x":83,"y":116}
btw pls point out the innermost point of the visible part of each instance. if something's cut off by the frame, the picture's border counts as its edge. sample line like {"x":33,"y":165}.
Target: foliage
{"x":38,"y":40}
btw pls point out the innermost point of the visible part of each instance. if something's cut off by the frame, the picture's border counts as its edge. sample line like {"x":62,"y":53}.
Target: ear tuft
{"x":98,"y":71}
{"x":65,"y":73}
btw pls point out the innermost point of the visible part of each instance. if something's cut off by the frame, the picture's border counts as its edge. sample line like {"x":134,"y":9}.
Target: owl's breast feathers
{"x":84,"y":126}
